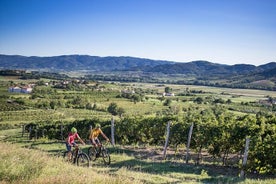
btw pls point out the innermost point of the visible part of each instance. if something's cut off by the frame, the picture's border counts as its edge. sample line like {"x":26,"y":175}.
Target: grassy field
{"x":25,"y":161}
{"x":35,"y":161}
{"x":149,"y":106}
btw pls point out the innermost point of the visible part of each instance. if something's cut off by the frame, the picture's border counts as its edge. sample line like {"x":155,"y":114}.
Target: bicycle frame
{"x":95,"y":153}
{"x":78,"y":157}
{"x":75,"y":154}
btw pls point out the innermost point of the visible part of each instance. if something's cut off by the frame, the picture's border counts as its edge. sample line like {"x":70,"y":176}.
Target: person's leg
{"x":68,"y":147}
{"x":94,"y":143}
{"x":98,"y":148}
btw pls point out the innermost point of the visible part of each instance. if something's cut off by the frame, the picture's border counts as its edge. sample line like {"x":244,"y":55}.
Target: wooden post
{"x":246,"y":150}
{"x":188,"y":144}
{"x":30,"y":132}
{"x":61,"y":132}
{"x":23,"y":130}
{"x":112,"y":131}
{"x":35,"y":134}
{"x":167,"y":140}
{"x":90,"y":128}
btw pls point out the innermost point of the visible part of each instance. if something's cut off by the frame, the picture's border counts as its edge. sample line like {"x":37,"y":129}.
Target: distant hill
{"x":269,"y":73}
{"x":207,"y":68}
{"x":140,"y":69}
{"x":95,"y":63}
{"x":77,"y":62}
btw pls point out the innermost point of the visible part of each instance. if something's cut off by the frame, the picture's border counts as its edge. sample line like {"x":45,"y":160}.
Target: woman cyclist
{"x":70,"y":141}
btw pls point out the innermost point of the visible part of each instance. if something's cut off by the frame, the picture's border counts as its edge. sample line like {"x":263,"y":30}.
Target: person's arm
{"x":93,"y":142}
{"x":80,"y":139}
{"x":91,"y":134}
{"x":106,"y":138}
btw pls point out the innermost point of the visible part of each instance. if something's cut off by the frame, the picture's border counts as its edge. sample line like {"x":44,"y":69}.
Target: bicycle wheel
{"x":65,"y":156}
{"x":106,"y":156}
{"x":83,"y":160}
{"x":92,"y":153}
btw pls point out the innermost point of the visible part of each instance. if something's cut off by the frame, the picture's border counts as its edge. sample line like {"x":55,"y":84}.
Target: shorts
{"x":68,"y":147}
{"x":97,"y":141}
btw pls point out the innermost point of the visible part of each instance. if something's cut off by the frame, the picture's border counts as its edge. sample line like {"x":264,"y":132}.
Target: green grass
{"x":127,"y":165}
{"x":29,"y":161}
{"x":21,"y":165}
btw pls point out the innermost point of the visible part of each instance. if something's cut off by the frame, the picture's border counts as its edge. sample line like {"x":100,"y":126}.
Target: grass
{"x":21,"y":165}
{"x":29,"y":161}
{"x":40,"y":164}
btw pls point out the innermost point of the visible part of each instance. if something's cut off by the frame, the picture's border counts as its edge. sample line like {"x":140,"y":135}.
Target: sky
{"x":219,"y":31}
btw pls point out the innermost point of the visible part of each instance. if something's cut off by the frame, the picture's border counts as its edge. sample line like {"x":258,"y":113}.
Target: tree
{"x":53,"y":104}
{"x":120,"y":111}
{"x":198,"y":100}
{"x":168,"y":90}
{"x":113,"y":109}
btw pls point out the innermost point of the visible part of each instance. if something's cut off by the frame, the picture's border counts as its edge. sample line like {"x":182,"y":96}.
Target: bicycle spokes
{"x":83,"y":160}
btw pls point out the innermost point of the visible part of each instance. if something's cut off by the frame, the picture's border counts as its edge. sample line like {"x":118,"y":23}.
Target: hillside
{"x":76,"y":62}
{"x":131,"y":69}
{"x":208,"y":68}
{"x":95,"y":63}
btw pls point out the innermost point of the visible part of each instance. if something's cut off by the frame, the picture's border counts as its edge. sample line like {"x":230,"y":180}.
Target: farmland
{"x":150,"y":102}
{"x":141,"y":112}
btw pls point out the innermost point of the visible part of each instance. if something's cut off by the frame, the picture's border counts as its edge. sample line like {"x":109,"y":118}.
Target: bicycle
{"x":78,"y":157}
{"x":95,"y":153}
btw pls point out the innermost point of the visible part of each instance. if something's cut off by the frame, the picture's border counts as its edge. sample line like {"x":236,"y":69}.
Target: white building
{"x":20,"y":90}
{"x":168,"y":94}
{"x":26,"y":90}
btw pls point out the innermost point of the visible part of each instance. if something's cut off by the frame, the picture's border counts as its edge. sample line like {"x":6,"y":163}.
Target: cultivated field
{"x":134,"y":159}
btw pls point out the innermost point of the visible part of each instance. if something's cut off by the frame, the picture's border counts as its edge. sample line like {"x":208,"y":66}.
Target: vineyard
{"x":222,"y":118}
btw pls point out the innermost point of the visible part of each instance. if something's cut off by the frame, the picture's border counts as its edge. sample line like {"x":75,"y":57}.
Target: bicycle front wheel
{"x":92,"y":153}
{"x":83,"y":160}
{"x":106,"y":156}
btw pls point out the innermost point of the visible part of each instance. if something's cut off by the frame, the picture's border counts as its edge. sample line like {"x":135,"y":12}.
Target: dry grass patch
{"x":20,"y":165}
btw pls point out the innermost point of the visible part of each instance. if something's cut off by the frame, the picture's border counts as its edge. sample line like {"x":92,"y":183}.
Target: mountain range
{"x":147,"y":70}
{"x":108,"y":64}
{"x":77,"y":62}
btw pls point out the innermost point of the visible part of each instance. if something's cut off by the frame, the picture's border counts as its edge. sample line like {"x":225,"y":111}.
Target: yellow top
{"x":95,"y":133}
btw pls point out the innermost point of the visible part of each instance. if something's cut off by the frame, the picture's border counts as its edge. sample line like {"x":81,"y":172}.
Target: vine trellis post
{"x":167,"y":140}
{"x":30,"y":132}
{"x":112,"y":131}
{"x":23,"y":130}
{"x":188,"y":143}
{"x":61,"y":132}
{"x":246,"y":150}
{"x":90,"y":128}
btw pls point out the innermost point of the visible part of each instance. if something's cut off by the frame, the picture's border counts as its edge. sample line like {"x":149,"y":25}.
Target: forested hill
{"x":207,"y":68}
{"x":77,"y":62}
{"x":95,"y":63}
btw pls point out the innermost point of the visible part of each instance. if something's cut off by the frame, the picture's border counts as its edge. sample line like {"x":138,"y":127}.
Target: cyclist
{"x":70,"y":141}
{"x":94,"y":133}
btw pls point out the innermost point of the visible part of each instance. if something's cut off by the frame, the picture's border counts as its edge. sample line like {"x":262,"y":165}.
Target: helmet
{"x":74,"y":130}
{"x":97,"y":125}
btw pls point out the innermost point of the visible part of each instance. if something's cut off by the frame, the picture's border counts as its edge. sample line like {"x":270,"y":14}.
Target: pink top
{"x":72,"y":137}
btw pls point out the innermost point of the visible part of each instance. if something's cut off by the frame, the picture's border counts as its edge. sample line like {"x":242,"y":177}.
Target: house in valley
{"x":16,"y":89}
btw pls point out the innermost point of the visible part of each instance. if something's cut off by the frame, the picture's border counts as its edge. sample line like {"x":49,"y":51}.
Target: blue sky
{"x":220,"y":31}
